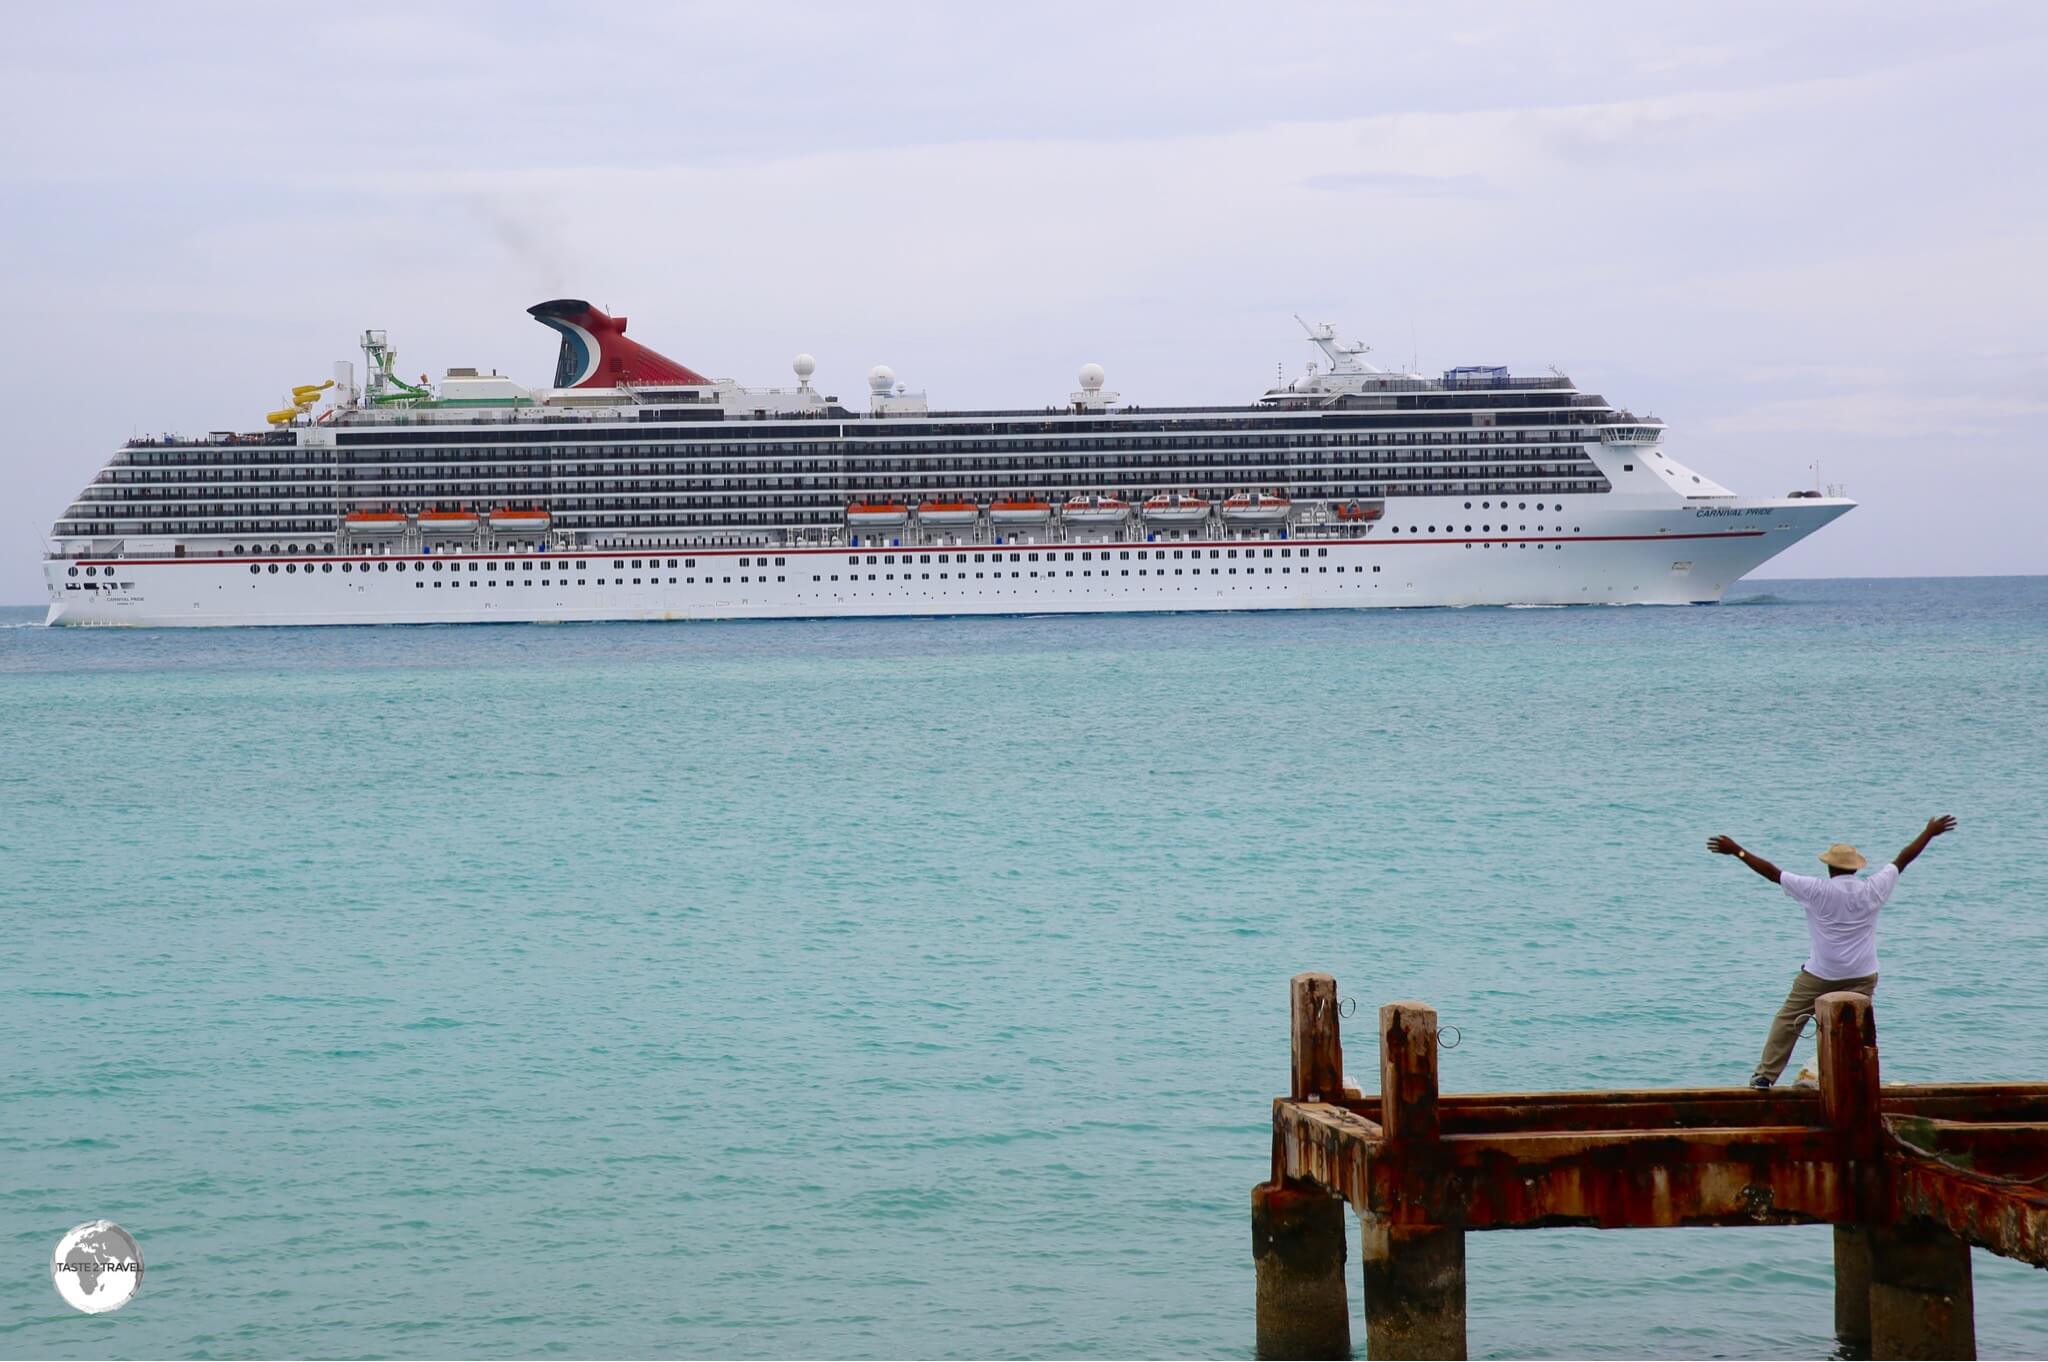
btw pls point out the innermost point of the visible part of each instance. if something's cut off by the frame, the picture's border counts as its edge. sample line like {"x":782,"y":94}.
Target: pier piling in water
{"x":1909,"y":1175}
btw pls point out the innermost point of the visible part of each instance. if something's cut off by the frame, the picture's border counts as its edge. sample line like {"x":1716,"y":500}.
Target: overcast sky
{"x":1797,"y":233}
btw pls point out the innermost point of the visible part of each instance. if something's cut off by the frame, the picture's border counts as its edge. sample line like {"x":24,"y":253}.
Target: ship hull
{"x":1649,"y":555}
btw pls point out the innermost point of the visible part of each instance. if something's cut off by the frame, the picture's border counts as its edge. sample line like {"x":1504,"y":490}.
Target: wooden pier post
{"x":1414,"y":1276}
{"x":1847,"y":1036}
{"x":1298,"y":1228}
{"x":1902,"y":1288}
{"x":1318,"y":1042}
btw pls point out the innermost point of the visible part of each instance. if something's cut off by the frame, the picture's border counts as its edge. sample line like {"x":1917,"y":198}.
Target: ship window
{"x":386,"y":567}
{"x":253,"y":568}
{"x":273,"y":567}
{"x":294,"y":567}
{"x":327,"y":567}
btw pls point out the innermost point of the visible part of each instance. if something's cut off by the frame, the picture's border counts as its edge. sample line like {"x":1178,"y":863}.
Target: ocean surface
{"x":915,"y":988}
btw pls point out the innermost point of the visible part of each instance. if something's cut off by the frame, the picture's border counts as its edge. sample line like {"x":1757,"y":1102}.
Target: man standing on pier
{"x":1841,"y":921}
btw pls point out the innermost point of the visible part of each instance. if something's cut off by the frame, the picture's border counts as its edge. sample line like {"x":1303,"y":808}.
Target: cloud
{"x":1904,"y":415}
{"x":1395,"y":184}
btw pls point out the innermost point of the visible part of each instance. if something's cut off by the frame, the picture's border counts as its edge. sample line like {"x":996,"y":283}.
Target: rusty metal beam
{"x":1326,"y":1145}
{"x":1618,"y":1179}
{"x":1679,"y":1109}
{"x":1468,"y":1112}
{"x":2008,"y":1220}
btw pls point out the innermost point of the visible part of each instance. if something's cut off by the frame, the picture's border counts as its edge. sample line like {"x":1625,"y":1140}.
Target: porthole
{"x":1468,"y":505}
{"x":348,"y":567}
{"x":384,"y":567}
{"x":273,"y":567}
{"x":92,"y":572}
{"x":255,"y":568}
{"x":238,"y":548}
{"x":294,"y":567}
{"x":275,"y":549}
{"x":325,"y":567}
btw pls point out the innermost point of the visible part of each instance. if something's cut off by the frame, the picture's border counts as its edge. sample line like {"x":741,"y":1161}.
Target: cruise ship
{"x":635,"y":488}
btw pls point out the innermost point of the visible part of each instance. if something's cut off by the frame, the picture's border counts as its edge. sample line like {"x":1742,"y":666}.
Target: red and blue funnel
{"x":596,"y":353}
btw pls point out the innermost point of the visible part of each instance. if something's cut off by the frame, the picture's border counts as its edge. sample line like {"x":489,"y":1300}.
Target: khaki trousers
{"x":1797,"y":1011}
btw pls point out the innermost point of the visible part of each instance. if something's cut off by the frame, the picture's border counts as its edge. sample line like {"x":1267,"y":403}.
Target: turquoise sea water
{"x":919,"y":988}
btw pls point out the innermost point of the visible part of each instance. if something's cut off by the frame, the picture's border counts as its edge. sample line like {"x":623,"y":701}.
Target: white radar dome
{"x":805,"y":366}
{"x":1091,"y":376}
{"x":881,"y":378}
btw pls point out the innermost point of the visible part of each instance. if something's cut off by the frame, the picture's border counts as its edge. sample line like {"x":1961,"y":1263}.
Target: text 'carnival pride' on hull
{"x":636,"y":488}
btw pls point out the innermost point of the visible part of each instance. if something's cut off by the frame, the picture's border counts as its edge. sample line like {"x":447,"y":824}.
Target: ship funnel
{"x":596,"y":354}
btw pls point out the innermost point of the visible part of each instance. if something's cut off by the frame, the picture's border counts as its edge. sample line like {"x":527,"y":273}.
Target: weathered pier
{"x":1910,"y":1175}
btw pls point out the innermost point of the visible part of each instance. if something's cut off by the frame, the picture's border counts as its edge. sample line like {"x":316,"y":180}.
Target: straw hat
{"x":1842,"y":856}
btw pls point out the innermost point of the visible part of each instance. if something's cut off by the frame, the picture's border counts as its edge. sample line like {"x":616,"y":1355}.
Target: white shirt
{"x":1841,"y":918}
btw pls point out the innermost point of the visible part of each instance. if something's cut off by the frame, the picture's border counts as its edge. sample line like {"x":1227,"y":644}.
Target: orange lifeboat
{"x":1096,"y":510}
{"x":448,"y":522}
{"x":876,"y":515}
{"x":948,"y":513}
{"x":1176,"y":508}
{"x":523,"y":519}
{"x":1019,"y":511}
{"x":1256,"y":508}
{"x":374,"y":522}
{"x":1357,"y":510}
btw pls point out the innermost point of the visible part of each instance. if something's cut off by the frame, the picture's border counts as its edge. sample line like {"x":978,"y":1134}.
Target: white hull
{"x":1661,"y":554}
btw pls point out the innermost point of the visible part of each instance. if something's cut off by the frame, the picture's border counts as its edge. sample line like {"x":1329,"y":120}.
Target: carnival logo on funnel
{"x":97,"y":1267}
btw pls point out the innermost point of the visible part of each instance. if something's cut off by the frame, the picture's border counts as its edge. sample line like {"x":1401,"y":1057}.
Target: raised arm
{"x":1935,"y":827}
{"x":1726,"y":846}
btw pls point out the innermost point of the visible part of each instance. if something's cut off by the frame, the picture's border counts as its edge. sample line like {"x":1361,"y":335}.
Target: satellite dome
{"x":1091,"y":376}
{"x":805,"y":366}
{"x":881,"y":378}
